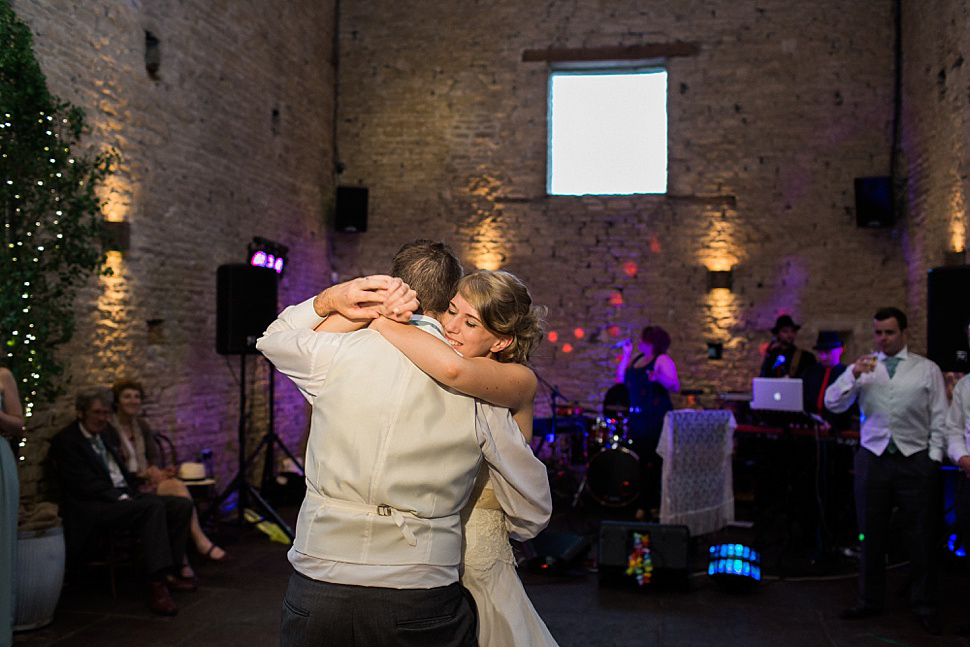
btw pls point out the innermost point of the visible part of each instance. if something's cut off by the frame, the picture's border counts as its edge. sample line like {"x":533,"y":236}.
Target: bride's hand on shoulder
{"x":400,"y":302}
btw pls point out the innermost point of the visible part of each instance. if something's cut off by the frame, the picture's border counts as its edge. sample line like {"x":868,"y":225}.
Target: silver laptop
{"x":776,"y":394}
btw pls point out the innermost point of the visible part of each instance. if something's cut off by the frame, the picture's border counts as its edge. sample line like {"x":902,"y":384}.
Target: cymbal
{"x":616,"y":408}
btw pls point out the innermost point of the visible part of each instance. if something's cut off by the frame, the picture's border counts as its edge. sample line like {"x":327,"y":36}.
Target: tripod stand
{"x":239,"y":483}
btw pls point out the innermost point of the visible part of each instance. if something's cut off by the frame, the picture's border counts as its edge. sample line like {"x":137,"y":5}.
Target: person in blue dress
{"x":650,"y":377}
{"x":11,"y":426}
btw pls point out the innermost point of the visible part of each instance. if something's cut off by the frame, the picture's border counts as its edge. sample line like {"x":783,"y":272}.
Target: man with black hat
{"x":782,"y":357}
{"x":821,"y":375}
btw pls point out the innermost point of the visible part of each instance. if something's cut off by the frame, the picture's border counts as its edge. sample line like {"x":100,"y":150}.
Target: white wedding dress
{"x":506,"y":617}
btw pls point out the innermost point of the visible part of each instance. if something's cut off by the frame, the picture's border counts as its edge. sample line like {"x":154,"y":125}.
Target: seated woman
{"x":495,"y":327}
{"x":143,"y":457}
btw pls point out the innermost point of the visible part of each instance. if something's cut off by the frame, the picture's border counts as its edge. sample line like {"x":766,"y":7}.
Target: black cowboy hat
{"x":827,"y":340}
{"x":784,"y":321}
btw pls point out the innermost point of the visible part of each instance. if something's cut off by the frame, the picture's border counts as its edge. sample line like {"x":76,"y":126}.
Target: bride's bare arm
{"x":503,"y":384}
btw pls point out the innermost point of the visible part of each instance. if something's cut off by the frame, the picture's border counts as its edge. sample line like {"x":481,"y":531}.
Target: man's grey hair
{"x":89,"y":395}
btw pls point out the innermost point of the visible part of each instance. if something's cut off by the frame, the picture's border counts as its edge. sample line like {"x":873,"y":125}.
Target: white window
{"x":607,"y":131}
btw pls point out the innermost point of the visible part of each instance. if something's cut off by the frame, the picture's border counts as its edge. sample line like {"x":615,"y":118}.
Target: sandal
{"x":222,"y":559}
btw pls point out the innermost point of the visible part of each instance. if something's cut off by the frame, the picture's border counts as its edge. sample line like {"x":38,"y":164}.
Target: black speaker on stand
{"x":245,"y":305}
{"x":947,"y":316}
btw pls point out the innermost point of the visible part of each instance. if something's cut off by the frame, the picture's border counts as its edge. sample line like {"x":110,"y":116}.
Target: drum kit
{"x":598,"y":452}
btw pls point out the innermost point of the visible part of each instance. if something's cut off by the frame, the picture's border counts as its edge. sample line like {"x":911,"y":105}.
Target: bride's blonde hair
{"x":505,"y":308}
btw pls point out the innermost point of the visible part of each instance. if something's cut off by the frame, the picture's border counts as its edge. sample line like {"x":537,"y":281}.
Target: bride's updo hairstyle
{"x":505,"y":308}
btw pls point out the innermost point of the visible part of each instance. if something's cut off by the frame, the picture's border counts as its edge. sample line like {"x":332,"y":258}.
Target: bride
{"x":494,"y":327}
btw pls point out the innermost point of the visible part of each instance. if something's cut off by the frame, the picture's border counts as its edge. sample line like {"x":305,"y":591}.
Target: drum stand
{"x":580,"y":489}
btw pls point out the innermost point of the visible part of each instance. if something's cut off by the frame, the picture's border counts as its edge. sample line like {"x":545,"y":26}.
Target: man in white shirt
{"x":903,"y":400}
{"x":958,"y":447}
{"x":391,"y":460}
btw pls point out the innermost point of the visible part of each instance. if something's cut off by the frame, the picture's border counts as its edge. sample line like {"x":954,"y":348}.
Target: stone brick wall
{"x":233,"y":138}
{"x":936,"y":127}
{"x":784,"y":104}
{"x":436,"y":113}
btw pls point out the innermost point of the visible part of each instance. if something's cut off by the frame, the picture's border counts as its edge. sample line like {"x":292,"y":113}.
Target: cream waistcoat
{"x":385,"y":434}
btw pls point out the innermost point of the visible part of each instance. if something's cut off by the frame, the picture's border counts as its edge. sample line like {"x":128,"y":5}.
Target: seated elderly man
{"x":98,"y":493}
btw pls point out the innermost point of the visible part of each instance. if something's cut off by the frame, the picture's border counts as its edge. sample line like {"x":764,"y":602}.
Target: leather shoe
{"x":931,"y":623}
{"x":179,"y":583}
{"x":159,"y":600}
{"x":859,"y":612}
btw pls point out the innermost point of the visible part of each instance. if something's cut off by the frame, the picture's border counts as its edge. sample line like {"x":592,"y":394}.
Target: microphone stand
{"x":554,"y":393}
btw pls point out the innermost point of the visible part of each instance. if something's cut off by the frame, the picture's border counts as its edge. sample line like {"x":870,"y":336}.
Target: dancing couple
{"x":404,"y":432}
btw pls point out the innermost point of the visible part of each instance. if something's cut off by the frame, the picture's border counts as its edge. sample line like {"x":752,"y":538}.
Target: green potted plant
{"x":50,"y":243}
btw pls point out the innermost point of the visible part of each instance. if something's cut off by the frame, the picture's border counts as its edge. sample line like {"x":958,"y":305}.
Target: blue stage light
{"x":734,"y":564}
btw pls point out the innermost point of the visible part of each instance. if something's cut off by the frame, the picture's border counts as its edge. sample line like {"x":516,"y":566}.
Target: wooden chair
{"x":169,"y":455}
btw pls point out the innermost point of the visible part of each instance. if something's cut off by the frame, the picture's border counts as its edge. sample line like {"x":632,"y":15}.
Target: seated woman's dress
{"x":506,"y":617}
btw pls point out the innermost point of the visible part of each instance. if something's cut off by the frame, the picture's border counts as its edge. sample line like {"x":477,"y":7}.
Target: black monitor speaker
{"x":947,"y":316}
{"x":245,"y":306}
{"x":669,"y":550}
{"x":350,"y":213}
{"x":874,"y":202}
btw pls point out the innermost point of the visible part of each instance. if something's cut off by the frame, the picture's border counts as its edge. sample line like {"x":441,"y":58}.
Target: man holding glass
{"x":903,"y":400}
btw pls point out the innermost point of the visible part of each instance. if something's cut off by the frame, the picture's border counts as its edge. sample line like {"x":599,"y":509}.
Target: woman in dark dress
{"x":649,"y":377}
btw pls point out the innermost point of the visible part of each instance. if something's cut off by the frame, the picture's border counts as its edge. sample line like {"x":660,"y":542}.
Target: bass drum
{"x":613,"y":477}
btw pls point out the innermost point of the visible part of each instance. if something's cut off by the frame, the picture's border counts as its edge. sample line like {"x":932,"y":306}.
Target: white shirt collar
{"x":903,"y":354}
{"x":84,"y":432}
{"x":429,"y":325}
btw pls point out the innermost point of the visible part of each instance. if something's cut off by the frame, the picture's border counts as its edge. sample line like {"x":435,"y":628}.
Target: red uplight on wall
{"x":655,"y":245}
{"x":614,"y":331}
{"x":553,"y":336}
{"x":630,"y":268}
{"x":616,"y":298}
{"x":579,"y":333}
{"x":567,"y":347}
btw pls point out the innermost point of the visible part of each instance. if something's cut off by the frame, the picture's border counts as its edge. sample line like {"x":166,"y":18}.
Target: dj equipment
{"x":777,"y":394}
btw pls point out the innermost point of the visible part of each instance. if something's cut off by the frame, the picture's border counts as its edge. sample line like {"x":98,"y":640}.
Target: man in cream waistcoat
{"x":391,"y":460}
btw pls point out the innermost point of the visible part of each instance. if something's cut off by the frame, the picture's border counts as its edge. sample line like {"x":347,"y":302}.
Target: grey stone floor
{"x":238,"y":604}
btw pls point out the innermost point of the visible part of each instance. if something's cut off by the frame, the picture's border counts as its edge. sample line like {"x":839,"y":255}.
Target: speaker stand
{"x":239,"y":483}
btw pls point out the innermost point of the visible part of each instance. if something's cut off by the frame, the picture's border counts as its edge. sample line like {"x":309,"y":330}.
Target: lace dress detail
{"x":485,"y":533}
{"x":506,"y":617}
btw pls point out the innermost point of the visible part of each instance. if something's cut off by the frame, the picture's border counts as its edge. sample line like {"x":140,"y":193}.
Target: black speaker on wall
{"x":245,"y":306}
{"x":350,"y":213}
{"x":947,"y":316}
{"x":669,"y":554}
{"x":874,"y":202}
